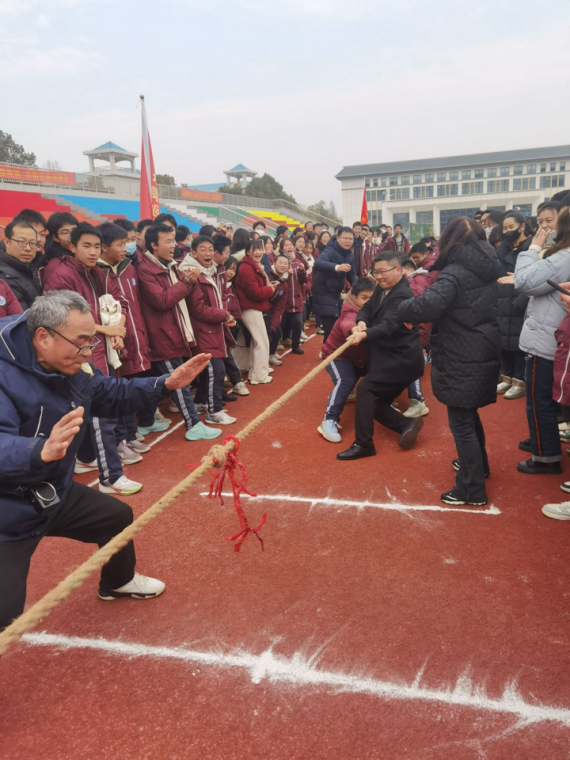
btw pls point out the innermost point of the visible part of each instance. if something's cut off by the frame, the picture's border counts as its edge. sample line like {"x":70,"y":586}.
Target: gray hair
{"x":52,"y":309}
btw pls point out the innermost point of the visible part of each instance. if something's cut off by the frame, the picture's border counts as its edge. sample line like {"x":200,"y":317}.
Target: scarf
{"x":181,"y":305}
{"x":209,"y":273}
{"x":310,"y":262}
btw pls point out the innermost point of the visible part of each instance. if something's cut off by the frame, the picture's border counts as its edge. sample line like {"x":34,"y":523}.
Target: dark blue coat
{"x":327,"y":283}
{"x":32,"y":400}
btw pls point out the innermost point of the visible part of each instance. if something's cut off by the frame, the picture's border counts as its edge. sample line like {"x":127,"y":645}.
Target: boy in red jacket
{"x":209,"y":315}
{"x":350,"y":366}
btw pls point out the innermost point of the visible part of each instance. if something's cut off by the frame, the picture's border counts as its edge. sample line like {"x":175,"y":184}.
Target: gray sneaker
{"x":557,"y":511}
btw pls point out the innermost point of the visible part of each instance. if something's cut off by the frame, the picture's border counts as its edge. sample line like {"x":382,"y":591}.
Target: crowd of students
{"x":159,"y":295}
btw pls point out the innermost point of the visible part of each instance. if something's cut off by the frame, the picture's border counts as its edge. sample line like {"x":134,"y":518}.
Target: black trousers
{"x":513,"y":364}
{"x":467,"y":430}
{"x":87,"y":515}
{"x":292,"y":326}
{"x":328,"y":324}
{"x":232,"y":370}
{"x":374,"y":402}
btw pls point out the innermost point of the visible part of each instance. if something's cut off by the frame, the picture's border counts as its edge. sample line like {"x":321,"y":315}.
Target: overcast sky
{"x":296,"y":88}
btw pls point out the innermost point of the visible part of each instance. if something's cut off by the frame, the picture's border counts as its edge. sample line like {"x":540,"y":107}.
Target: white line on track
{"x":301,"y":671}
{"x":326,"y":501}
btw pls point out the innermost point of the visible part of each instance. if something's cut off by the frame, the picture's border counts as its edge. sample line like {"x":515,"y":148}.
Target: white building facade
{"x":434,"y":190}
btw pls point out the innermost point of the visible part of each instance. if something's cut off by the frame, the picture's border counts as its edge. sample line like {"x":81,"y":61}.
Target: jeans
{"x":86,"y":515}
{"x":374,"y":402}
{"x":541,"y":410}
{"x":181,"y":398}
{"x":344,"y":376}
{"x":467,"y":430}
{"x":513,"y":364}
{"x":210,"y":386}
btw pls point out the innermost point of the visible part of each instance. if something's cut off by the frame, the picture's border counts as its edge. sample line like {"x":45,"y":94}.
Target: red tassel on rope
{"x":230,"y":468}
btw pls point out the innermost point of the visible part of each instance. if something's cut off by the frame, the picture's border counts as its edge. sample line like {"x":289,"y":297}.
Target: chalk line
{"x":300,"y":671}
{"x":326,"y":501}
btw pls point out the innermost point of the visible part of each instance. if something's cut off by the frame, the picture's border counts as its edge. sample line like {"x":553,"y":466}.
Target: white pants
{"x":256,"y":357}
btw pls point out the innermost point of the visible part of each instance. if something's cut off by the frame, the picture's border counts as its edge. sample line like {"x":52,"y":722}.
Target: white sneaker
{"x":85,"y":466}
{"x":241,"y":389}
{"x":270,"y":370}
{"x":517,"y":390}
{"x":122,"y":486}
{"x":504,"y":386}
{"x":201,"y":408}
{"x":220,"y":418}
{"x":141,"y":587}
{"x":173,"y":409}
{"x":126,"y":455}
{"x":557,"y":511}
{"x":261,"y":382}
{"x":304,"y":336}
{"x":275,"y":361}
{"x":416,"y":408}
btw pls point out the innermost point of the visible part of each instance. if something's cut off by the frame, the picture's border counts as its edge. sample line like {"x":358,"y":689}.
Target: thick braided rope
{"x":215,"y":457}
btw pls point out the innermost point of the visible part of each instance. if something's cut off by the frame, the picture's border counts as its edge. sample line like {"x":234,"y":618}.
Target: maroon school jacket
{"x":358,"y":355}
{"x":561,"y":387}
{"x":279,"y":299}
{"x":207,"y":319}
{"x":9,"y":304}
{"x":251,"y":286}
{"x":232,"y":302}
{"x":296,"y":283}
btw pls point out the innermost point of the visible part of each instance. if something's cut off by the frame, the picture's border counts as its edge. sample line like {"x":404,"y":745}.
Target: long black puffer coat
{"x":466,"y":344}
{"x":512,"y":304}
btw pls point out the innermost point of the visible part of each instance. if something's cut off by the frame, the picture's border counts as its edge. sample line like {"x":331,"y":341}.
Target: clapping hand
{"x":62,"y":434}
{"x":184,"y":374}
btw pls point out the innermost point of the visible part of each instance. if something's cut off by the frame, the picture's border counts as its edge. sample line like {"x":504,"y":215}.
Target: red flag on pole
{"x":364,"y":212}
{"x":149,"y":204}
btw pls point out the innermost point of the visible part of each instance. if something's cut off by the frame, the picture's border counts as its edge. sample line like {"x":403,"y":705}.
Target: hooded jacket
{"x":391,"y":245}
{"x":358,"y":355}
{"x":69,"y":274}
{"x":296,"y":284}
{"x":136,"y":357}
{"x":328,"y":284}
{"x":23,"y":280}
{"x":251,"y":286}
{"x":207,"y":310}
{"x":545,"y":310}
{"x":465,"y":338}
{"x":32,"y":400}
{"x":279,"y":299}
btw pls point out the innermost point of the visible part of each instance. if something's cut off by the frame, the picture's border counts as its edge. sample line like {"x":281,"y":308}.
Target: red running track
{"x":361,"y":631}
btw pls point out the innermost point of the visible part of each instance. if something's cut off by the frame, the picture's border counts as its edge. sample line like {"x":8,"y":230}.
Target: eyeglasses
{"x":63,"y":233}
{"x":81,"y":350}
{"x":382,"y":272}
{"x":26,"y":244}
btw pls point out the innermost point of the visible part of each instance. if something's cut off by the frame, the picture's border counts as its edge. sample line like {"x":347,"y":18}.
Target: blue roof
{"x":239,"y":168}
{"x":110,"y":146}
{"x":208,"y":188}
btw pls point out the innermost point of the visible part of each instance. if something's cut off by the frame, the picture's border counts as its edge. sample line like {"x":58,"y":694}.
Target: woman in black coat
{"x":512,"y":306}
{"x":466,"y":346}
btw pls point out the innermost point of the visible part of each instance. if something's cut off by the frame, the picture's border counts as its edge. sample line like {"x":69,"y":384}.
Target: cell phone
{"x":558,"y":287}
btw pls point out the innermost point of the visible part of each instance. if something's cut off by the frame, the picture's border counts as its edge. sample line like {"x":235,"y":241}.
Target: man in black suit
{"x":395,"y":360}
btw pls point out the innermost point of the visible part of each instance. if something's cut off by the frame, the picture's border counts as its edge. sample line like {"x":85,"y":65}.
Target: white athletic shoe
{"x":127,"y":455}
{"x":141,"y":587}
{"x":85,"y":466}
{"x":270,"y":370}
{"x":416,"y":409}
{"x":261,"y":382}
{"x":173,"y":409}
{"x":304,"y":336}
{"x":220,"y":418}
{"x":241,"y":389}
{"x":557,"y":511}
{"x":122,"y":486}
{"x":275,"y":361}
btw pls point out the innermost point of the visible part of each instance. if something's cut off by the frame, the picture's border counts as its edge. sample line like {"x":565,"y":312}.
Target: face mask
{"x":511,"y":236}
{"x":131,"y":248}
{"x":488,"y":232}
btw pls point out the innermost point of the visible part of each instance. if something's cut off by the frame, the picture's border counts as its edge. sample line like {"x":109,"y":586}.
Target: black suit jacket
{"x":394,"y":353}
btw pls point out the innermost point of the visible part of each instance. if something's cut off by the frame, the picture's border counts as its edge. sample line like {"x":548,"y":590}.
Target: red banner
{"x":149,"y":203}
{"x":364,"y":212}
{"x":200,"y":195}
{"x":25,"y":174}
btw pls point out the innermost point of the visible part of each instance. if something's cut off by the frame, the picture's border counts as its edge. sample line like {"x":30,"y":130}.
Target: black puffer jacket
{"x":466,"y":345}
{"x":512,"y":304}
{"x":22,"y":279}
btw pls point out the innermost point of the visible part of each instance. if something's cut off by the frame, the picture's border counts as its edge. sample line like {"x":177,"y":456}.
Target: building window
{"x":445,"y":190}
{"x":447,"y":215}
{"x":401,"y":194}
{"x":381,"y":195}
{"x":404,"y":220}
{"x":563,"y":166}
{"x":454,"y":189}
{"x":491,"y":186}
{"x":441,"y":191}
{"x":429,"y":177}
{"x":561,"y":179}
{"x":531,"y":169}
{"x":368,"y":197}
{"x":373,"y":195}
{"x":466,"y":174}
{"x":453,"y":175}
{"x":542,"y":168}
{"x":373,"y":218}
{"x":441,"y":176}
{"x":505,"y":171}
{"x":478,"y":173}
{"x":517,"y":170}
{"x":393,"y":181}
{"x":383,"y":181}
{"x":423,"y":192}
{"x":417,"y":179}
{"x":471,"y":188}
{"x":554,"y":181}
{"x":367,"y":182}
{"x":505,"y":185}
{"x":528,"y":183}
{"x":424,"y":217}
{"x":491,"y":172}
{"x":405,"y":180}
{"x":552,"y":167}
{"x":406,"y":194}
{"x":375,"y":182}
{"x":478,"y":187}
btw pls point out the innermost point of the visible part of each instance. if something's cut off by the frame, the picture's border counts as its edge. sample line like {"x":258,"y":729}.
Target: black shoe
{"x":451,"y":498}
{"x":297,"y":350}
{"x":410,"y":433}
{"x":530,"y":467}
{"x":456,"y":466}
{"x":525,"y":445}
{"x":356,"y":452}
{"x":229,"y":396}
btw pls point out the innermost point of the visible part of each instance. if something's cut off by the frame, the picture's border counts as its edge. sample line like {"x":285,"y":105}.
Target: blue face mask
{"x":131,"y":249}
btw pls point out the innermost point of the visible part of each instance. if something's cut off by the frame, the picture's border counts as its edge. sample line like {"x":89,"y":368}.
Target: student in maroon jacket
{"x":351,"y":365}
{"x":9,"y":304}
{"x":163,"y":292}
{"x":222,"y":247}
{"x":209,"y":317}
{"x":278,"y":275}
{"x":232,"y":305}
{"x":293,"y":319}
{"x":399,"y":243}
{"x":424,"y":258}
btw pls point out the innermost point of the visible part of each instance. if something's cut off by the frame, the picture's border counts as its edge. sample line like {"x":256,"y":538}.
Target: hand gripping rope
{"x":216,"y":457}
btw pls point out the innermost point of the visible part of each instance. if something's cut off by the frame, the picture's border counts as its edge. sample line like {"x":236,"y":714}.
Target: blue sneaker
{"x":158,"y":426}
{"x":329,"y":430}
{"x":199,"y":432}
